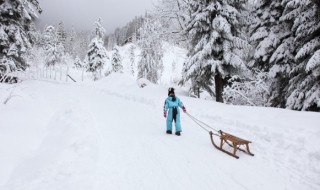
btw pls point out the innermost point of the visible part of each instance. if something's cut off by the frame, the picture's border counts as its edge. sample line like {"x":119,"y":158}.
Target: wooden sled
{"x":233,"y":141}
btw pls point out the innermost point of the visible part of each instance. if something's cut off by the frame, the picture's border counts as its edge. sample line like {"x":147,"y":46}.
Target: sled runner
{"x":225,"y":138}
{"x":232,"y":141}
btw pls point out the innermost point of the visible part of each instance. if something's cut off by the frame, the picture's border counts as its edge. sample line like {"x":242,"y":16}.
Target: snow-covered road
{"x":111,"y":135}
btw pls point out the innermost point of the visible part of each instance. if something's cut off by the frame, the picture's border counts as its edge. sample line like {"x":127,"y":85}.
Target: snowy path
{"x":103,"y":136}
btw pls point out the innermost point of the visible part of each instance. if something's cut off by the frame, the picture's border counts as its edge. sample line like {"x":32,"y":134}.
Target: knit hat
{"x":170,"y":90}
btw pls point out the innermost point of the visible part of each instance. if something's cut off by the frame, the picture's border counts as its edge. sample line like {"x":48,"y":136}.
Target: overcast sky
{"x":83,"y":13}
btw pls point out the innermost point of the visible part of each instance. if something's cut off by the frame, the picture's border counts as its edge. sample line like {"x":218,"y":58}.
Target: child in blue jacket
{"x":172,"y":104}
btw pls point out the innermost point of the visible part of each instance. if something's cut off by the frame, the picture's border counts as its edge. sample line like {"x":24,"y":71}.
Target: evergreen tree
{"x":53,"y":47}
{"x":97,"y":54}
{"x":82,"y":42}
{"x":71,"y":42}
{"x":16,"y":18}
{"x":36,"y":56}
{"x":274,"y":46}
{"x":132,"y":58}
{"x":303,"y":90}
{"x":62,"y":34}
{"x":77,"y":63}
{"x":150,"y":65}
{"x":116,"y":61}
{"x":123,"y":35}
{"x":216,"y":42}
{"x":286,"y":36}
{"x":267,"y":33}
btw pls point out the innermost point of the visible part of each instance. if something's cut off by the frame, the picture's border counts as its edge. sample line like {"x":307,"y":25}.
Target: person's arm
{"x":165,"y":108}
{"x":182,"y":106}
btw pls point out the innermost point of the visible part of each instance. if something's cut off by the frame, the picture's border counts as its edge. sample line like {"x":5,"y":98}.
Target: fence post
{"x":82,"y":74}
{"x":55,"y":73}
{"x":60,"y":73}
{"x":67,"y":73}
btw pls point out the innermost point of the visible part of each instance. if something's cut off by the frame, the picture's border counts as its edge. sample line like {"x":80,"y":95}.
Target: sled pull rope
{"x":201,"y":123}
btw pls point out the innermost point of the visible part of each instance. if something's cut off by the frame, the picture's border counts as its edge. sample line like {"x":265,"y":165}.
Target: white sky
{"x":83,"y":13}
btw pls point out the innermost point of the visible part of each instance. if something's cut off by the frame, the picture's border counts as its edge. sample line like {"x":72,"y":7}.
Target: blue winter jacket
{"x":170,"y":105}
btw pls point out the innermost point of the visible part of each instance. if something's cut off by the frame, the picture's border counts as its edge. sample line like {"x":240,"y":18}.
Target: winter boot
{"x":169,"y":132}
{"x":178,"y":133}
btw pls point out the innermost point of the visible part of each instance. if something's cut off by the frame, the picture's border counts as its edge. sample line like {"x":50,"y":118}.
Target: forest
{"x":241,"y":52}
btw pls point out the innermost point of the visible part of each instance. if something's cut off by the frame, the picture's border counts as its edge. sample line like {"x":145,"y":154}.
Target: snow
{"x":110,"y":134}
{"x":314,"y":62}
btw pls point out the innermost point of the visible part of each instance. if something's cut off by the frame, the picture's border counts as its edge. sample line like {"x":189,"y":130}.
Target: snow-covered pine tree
{"x":82,"y":42}
{"x":125,"y":34}
{"x":99,"y":31}
{"x":267,"y":32}
{"x":62,"y":34}
{"x":97,"y":54}
{"x":53,"y":47}
{"x":273,"y":44}
{"x":303,"y":90}
{"x":77,"y":63}
{"x":16,"y":18}
{"x":71,"y":42}
{"x":150,"y":65}
{"x":132,"y":58}
{"x":36,"y":56}
{"x":116,"y":61}
{"x":34,"y":34}
{"x":215,"y":45}
{"x":111,"y":41}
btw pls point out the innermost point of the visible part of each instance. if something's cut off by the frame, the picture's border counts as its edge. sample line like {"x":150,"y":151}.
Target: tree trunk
{"x":219,"y":87}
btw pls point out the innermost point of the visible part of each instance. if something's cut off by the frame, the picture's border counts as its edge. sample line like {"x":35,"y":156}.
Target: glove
{"x":165,"y":114}
{"x":184,"y":109}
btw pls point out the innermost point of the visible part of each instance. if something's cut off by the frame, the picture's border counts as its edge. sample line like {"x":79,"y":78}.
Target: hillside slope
{"x":111,"y":135}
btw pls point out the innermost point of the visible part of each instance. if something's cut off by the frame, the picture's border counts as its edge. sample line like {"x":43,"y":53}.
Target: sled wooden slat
{"x":232,"y":138}
{"x":232,"y":141}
